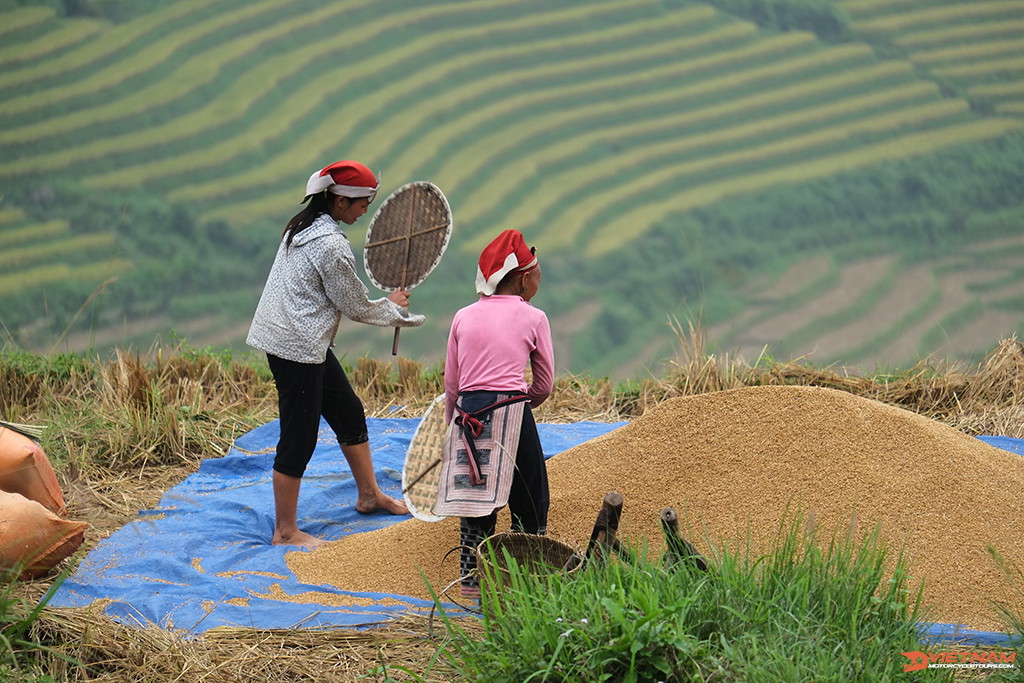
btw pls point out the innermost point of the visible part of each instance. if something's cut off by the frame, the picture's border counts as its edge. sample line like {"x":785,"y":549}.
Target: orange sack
{"x":33,"y":539}
{"x":25,"y":469}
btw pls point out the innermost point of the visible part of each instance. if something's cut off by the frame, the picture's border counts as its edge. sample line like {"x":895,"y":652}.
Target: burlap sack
{"x":33,"y":539}
{"x":25,"y":469}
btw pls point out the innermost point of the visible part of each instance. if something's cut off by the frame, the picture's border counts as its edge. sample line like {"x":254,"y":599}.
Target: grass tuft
{"x":810,"y":609}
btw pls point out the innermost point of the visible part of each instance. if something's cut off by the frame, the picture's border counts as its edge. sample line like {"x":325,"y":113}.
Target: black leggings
{"x":305,"y":391}
{"x":528,"y":499}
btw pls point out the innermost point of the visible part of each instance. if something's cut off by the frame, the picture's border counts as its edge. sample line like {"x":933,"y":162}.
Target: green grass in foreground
{"x":842,"y":610}
{"x":22,"y":657}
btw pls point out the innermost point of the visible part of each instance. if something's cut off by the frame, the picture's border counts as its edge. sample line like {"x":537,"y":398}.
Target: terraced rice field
{"x":536,"y":114}
{"x":541,"y":71}
{"x":973,"y":46}
{"x":882,"y":312}
{"x":32,"y":254}
{"x":43,"y":47}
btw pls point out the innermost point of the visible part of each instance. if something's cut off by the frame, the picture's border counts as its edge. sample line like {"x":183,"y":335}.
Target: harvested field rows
{"x":59,"y":272}
{"x":301,"y":153}
{"x":564,"y":233}
{"x":947,"y":13}
{"x":613,"y":234}
{"x":970,"y":51}
{"x":959,"y":33}
{"x":33,"y":254}
{"x":599,"y":89}
{"x":972,"y":45}
{"x":59,"y":39}
{"x":12,"y":237}
{"x":906,"y":318}
{"x":853,"y":282}
{"x":650,"y":135}
{"x":190,"y":76}
{"x":24,"y":18}
{"x":153,"y":54}
{"x":252,"y":86}
{"x":484,"y":124}
{"x":980,"y":68}
{"x":53,"y":248}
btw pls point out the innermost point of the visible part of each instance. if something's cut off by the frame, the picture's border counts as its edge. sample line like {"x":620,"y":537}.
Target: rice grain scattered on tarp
{"x":741,"y":462}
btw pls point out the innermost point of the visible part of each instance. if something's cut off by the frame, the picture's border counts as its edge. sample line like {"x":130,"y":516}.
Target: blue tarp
{"x":197,"y":560}
{"x":200,"y":558}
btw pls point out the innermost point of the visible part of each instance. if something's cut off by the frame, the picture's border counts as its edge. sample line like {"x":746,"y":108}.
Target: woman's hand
{"x":401,"y":297}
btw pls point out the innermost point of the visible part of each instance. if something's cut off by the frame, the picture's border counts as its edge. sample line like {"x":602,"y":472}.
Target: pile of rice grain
{"x":744,"y":461}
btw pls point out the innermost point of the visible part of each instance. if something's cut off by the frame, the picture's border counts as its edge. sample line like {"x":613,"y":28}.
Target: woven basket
{"x":421,"y":473}
{"x":533,"y":554}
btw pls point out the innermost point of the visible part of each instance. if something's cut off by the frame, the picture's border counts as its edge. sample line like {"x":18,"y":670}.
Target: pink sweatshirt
{"x":489,"y":345}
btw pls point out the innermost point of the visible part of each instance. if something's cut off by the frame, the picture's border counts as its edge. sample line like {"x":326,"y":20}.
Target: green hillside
{"x":840,"y":178}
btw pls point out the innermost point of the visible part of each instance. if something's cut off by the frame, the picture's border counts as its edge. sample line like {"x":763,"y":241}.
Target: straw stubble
{"x":737,"y":465}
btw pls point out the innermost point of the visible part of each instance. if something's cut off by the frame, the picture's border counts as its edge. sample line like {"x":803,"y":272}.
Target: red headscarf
{"x":506,"y":253}
{"x":345,"y":178}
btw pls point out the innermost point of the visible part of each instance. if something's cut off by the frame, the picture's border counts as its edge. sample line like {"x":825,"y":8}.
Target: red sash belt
{"x":471,"y":427}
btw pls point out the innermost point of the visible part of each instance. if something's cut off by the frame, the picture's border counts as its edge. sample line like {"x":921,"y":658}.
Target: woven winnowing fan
{"x":406,"y":238}
{"x":421,"y":472}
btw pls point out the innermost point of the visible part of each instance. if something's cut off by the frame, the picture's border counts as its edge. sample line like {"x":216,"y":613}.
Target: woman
{"x":493,"y":453}
{"x":312,"y":284}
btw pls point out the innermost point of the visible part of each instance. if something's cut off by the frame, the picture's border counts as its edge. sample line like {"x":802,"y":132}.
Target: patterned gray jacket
{"x":312,"y":283}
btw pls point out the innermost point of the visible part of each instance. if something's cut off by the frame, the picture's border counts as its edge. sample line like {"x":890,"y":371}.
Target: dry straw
{"x":109,"y":651}
{"x":32,"y":431}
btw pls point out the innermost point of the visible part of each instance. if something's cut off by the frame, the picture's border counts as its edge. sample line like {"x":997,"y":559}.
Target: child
{"x":493,"y":454}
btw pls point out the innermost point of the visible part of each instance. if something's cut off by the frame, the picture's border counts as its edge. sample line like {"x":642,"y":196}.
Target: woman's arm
{"x":451,"y":373}
{"x":542,"y":364}
{"x":351,"y":297}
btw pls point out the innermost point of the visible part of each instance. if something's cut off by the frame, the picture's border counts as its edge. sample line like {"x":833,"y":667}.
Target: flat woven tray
{"x":407,"y":236}
{"x":422,"y":470}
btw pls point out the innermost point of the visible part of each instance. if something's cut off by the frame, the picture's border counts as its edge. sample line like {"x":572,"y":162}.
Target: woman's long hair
{"x":317,"y":204}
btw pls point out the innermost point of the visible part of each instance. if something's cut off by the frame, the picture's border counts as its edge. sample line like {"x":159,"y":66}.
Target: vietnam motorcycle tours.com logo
{"x":960,"y":660}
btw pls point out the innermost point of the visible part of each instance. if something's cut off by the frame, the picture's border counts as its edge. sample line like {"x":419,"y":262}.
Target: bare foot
{"x":299,"y":538}
{"x":381,"y":501}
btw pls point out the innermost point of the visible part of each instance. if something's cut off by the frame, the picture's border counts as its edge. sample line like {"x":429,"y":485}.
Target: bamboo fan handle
{"x":405,"y":269}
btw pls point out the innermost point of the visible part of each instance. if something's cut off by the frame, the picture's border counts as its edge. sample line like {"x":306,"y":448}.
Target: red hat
{"x":506,"y":253}
{"x":345,"y":178}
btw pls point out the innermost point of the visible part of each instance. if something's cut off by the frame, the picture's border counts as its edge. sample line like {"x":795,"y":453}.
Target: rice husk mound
{"x":740,"y":464}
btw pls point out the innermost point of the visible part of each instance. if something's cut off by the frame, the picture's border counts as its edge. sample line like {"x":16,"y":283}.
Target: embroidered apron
{"x":479,"y":458}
